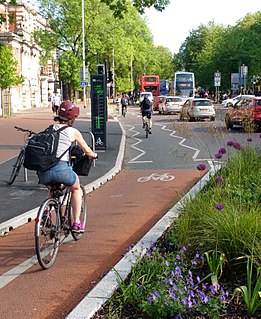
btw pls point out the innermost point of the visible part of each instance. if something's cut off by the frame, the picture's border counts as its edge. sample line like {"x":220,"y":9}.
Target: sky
{"x":171,"y":27}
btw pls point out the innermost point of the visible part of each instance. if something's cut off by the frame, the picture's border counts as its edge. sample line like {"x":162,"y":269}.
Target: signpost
{"x":84,"y":83}
{"x":217,"y":82}
{"x":99,"y":110}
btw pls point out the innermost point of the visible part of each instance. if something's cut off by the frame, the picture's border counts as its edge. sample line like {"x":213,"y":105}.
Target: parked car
{"x":232,"y":101}
{"x":170,"y":104}
{"x":245,"y":112}
{"x":197,"y":109}
{"x":157,"y":101}
{"x":148,"y":94}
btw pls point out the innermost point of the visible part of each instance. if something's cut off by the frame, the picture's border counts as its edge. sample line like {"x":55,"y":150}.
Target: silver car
{"x":197,"y":109}
{"x":170,"y":105}
{"x":231,"y":102}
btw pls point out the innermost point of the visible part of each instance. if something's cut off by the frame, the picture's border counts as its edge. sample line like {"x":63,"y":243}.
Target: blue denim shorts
{"x":62,"y":173}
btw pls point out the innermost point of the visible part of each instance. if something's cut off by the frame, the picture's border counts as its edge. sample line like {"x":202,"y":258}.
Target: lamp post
{"x":83,"y":56}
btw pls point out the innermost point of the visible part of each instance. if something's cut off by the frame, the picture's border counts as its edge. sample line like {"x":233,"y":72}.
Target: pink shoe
{"x":78,"y":228}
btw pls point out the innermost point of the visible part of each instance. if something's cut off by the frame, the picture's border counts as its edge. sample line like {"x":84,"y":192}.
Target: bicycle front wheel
{"x":83,"y":216}
{"x":47,"y":233}
{"x":16,"y":167}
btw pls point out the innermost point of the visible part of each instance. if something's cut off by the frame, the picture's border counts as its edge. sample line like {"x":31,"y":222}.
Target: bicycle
{"x":53,"y":223}
{"x":146,"y":126}
{"x":20,"y":159}
{"x":124,"y":110}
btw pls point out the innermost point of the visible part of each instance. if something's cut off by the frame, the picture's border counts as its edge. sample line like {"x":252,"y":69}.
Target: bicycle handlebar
{"x":24,"y":130}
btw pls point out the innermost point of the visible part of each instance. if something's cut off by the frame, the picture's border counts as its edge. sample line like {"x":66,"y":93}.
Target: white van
{"x":148,"y":94}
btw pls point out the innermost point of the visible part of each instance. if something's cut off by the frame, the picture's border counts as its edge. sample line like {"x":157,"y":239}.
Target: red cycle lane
{"x":119,"y":214}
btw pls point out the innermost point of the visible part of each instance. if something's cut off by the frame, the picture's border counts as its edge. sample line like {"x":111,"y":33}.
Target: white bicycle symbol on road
{"x":157,"y":177}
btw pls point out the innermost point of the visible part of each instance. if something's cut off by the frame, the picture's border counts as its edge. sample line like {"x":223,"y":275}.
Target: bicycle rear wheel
{"x":47,"y":233}
{"x":83,"y":215}
{"x":16,"y":167}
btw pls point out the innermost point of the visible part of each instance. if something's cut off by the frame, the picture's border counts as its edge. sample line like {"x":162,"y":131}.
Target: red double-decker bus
{"x":150,"y":83}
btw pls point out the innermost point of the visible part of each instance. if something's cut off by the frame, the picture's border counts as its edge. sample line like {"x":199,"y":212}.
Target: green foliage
{"x":215,"y":260}
{"x":107,"y":38}
{"x":214,"y":47}
{"x":166,"y":282}
{"x":225,"y":216}
{"x":119,"y":7}
{"x":163,"y":286}
{"x":251,"y":297}
{"x":8,"y":69}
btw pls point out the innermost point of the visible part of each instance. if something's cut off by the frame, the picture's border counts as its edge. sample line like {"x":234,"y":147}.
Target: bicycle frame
{"x":20,"y":159}
{"x":54,"y":223}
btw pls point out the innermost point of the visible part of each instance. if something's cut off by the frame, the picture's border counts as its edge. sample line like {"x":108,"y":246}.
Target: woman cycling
{"x":62,"y":172}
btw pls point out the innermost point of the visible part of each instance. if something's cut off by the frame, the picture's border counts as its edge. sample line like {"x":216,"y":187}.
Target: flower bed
{"x":207,"y":263}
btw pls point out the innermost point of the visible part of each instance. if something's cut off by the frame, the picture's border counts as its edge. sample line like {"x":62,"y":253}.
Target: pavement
{"x":24,"y":192}
{"x":106,"y":167}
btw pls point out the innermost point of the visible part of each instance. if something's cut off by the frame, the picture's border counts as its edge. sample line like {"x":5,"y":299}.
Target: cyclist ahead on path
{"x":62,"y":172}
{"x":146,"y":111}
{"x":124,"y":103}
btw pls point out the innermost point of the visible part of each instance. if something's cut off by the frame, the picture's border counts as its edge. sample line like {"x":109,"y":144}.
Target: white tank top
{"x":65,"y":141}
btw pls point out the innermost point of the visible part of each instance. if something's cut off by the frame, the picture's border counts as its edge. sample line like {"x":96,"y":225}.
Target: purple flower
{"x":201,"y":167}
{"x":230,"y":143}
{"x":219,"y":180}
{"x":167,"y":263}
{"x":219,"y":206}
{"x":183,"y":249}
{"x":249,"y":139}
{"x":222,"y":150}
{"x":218,"y":155}
{"x":237,"y":146}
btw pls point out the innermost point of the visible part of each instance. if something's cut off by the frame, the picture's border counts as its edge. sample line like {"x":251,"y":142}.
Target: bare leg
{"x":150,"y":123}
{"x":76,"y":200}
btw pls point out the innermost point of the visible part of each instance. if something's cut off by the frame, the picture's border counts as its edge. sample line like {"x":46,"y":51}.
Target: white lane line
{"x":142,"y":153}
{"x":210,"y":161}
{"x":15,"y":272}
{"x":18,"y":270}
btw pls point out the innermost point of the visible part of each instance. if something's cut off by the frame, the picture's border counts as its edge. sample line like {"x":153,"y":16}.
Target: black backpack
{"x":40,"y":152}
{"x":146,"y":104}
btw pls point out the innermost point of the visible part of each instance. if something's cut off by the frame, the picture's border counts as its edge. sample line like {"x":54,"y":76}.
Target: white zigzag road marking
{"x":134,"y":160}
{"x":210,"y":161}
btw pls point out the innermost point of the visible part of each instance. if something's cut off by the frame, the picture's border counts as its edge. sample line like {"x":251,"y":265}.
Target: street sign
{"x":98,"y":109}
{"x":83,"y":83}
{"x":217,"y":79}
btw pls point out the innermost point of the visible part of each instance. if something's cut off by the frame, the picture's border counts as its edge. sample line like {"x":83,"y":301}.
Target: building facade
{"x":18,"y":35}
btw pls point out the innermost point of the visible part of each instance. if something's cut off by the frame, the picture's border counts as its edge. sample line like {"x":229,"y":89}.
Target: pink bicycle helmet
{"x":68,"y":110}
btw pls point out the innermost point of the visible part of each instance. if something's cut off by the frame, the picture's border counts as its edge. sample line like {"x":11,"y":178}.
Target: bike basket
{"x":82,"y":166}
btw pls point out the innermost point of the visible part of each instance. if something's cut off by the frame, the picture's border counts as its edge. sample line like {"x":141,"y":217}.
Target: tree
{"x":119,"y":7}
{"x":8,"y":69}
{"x":214,"y":47}
{"x":107,"y":37}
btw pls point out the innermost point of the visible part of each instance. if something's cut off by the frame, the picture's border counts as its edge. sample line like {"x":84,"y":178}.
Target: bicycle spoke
{"x":47,"y":233}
